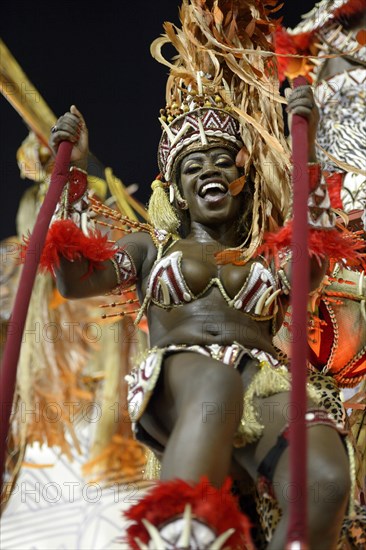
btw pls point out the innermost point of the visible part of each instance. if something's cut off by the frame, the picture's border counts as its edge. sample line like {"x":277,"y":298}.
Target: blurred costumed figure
{"x":328,"y":47}
{"x":72,"y":362}
{"x":331,"y":40}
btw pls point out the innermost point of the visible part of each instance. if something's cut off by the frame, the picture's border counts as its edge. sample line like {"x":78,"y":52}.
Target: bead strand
{"x":121,"y":314}
{"x":115,"y":304}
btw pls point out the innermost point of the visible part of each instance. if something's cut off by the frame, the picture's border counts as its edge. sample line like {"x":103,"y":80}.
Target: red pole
{"x":297,"y":533}
{"x":16,"y":325}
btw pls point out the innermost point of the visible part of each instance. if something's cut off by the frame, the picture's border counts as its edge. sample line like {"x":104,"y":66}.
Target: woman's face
{"x":205,"y":177}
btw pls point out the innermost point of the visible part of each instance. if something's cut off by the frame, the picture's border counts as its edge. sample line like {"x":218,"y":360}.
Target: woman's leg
{"x":328,"y":475}
{"x":328,"y":489}
{"x":197,"y":406}
{"x":198,"y":403}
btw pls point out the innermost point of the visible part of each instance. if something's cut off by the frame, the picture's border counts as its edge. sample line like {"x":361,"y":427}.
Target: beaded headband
{"x":201,"y":128}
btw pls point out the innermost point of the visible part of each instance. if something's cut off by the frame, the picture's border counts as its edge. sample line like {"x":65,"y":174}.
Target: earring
{"x":182,"y":204}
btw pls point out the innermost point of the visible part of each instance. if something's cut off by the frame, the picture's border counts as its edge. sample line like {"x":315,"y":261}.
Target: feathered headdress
{"x":223,"y":88}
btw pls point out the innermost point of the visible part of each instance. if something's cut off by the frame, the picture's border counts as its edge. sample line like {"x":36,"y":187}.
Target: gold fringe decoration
{"x":153,"y":466}
{"x":161,"y":212}
{"x":267,"y":381}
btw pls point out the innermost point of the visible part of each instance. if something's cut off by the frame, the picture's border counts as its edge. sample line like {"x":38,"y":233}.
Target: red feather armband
{"x":72,"y":233}
{"x":325,"y":239}
{"x":65,"y":238}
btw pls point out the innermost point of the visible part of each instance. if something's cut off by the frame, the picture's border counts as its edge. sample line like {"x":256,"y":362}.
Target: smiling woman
{"x":205,"y":177}
{"x":102,"y":89}
{"x":200,"y":396}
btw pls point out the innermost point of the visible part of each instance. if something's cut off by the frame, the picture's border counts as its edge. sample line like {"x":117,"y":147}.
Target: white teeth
{"x":208,"y":186}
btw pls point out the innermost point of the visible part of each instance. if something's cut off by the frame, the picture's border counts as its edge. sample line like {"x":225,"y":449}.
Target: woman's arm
{"x":78,"y":276}
{"x":74,"y":279}
{"x":301,"y":102}
{"x":318,"y":270}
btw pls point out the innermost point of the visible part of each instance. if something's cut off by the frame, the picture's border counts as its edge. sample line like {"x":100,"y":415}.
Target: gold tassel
{"x":266,"y":382}
{"x":161,"y":213}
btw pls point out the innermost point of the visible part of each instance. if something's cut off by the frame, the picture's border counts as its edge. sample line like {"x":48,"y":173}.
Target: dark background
{"x":99,"y":59}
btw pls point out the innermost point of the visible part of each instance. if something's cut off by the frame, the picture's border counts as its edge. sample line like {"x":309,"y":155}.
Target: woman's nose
{"x":209,"y":169}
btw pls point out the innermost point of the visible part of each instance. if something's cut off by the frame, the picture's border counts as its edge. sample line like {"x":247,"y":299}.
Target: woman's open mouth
{"x":213,"y":191}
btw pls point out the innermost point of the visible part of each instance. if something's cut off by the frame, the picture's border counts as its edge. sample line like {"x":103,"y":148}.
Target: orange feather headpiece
{"x":223,"y":88}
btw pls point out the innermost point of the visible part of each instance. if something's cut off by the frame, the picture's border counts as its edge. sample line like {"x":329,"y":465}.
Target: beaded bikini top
{"x":167,"y":288}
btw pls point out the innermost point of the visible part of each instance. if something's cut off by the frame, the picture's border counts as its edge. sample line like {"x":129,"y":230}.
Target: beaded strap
{"x":320,"y":214}
{"x":74,"y":203}
{"x":125,"y":270}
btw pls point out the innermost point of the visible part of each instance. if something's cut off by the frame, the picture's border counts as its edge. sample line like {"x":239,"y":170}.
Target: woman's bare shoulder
{"x":140,"y":246}
{"x":141,"y":239}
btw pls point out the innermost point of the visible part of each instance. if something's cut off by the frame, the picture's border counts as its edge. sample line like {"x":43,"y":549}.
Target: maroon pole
{"x":297,"y":534}
{"x":16,"y":325}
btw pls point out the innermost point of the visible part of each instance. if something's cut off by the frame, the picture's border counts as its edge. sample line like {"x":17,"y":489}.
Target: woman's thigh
{"x":195,"y":383}
{"x":274,"y":414}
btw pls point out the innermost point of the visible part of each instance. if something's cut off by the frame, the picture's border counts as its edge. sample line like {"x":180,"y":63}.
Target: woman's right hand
{"x":71,"y":127}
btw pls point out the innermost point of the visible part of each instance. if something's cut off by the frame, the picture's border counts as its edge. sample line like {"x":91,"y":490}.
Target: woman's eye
{"x":225,"y":163}
{"x":191,"y":168}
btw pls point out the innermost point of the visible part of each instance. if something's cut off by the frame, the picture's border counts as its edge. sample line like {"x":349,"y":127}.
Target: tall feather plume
{"x":224,"y":49}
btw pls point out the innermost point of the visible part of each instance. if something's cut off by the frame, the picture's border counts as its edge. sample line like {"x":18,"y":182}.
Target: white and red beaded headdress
{"x":201,"y":128}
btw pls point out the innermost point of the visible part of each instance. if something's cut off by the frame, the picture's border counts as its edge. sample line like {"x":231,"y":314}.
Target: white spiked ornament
{"x":183,"y":533}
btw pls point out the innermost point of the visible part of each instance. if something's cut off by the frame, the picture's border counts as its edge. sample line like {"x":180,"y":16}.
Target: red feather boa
{"x":344,"y":247}
{"x":216,"y":507}
{"x":65,"y":239}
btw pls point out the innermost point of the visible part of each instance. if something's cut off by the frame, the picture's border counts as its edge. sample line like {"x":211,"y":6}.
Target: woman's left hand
{"x":301,"y":102}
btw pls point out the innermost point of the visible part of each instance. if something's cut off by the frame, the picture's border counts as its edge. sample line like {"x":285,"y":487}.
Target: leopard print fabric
{"x":354,"y":530}
{"x":353,"y":533}
{"x":329,"y":396}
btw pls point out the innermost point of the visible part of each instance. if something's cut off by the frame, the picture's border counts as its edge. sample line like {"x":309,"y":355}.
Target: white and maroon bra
{"x":168,"y":288}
